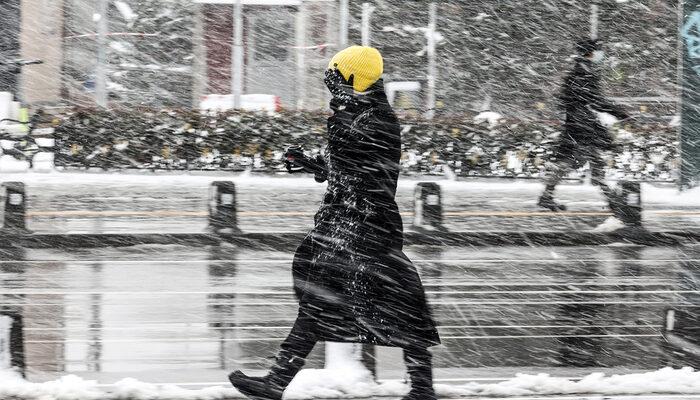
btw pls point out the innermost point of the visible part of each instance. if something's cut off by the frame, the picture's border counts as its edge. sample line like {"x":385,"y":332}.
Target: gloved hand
{"x":296,"y":161}
{"x":321,"y":174}
{"x":341,"y":88}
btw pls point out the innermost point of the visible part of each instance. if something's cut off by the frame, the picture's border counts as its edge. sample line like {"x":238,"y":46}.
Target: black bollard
{"x":15,"y":207}
{"x":630,"y":207}
{"x":428,"y":206}
{"x":222,"y":207}
{"x":12,"y":340}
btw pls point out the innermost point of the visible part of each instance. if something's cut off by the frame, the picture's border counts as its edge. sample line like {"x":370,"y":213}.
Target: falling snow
{"x":182,"y":184}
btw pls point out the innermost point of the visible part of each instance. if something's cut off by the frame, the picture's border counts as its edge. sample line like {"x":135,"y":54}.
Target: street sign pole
{"x":689,"y":79}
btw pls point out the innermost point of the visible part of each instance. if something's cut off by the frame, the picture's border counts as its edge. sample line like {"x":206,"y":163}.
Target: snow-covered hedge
{"x":148,"y":139}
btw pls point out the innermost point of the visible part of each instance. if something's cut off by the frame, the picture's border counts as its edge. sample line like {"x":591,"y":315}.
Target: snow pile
{"x":493,"y":118}
{"x":667,"y":381}
{"x":68,"y":387}
{"x":344,"y":383}
{"x":71,"y":387}
{"x":11,"y":164}
{"x":611,"y":224}
{"x":607,"y":120}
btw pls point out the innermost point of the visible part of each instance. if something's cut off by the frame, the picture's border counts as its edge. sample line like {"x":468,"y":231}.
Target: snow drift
{"x":340,"y":383}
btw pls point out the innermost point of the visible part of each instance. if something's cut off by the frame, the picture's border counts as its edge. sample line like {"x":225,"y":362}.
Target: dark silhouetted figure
{"x":352,"y":279}
{"x":583,"y":137}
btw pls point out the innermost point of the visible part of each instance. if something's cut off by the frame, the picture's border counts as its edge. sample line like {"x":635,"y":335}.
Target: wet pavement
{"x":189,"y":314}
{"x":109,"y":203}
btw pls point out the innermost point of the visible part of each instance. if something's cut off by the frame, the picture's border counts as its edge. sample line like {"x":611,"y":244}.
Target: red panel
{"x":218,"y":34}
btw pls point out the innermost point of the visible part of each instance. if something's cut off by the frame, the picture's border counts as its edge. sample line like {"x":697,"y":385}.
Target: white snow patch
{"x":606,"y":119}
{"x":481,"y":16}
{"x":493,"y":118}
{"x":43,"y":162}
{"x":609,"y":225}
{"x":11,"y":164}
{"x":667,"y":381}
{"x":670,"y":196}
{"x":45,"y":142}
{"x":125,"y":10}
{"x":120,"y":47}
{"x":341,"y":383}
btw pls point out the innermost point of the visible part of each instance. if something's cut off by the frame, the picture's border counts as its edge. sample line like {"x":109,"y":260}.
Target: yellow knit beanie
{"x":364,"y":63}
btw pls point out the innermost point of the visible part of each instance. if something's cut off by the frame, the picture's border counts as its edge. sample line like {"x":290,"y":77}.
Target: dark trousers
{"x":569,"y":162}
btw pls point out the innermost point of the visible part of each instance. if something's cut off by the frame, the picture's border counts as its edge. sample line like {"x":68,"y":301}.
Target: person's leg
{"x":597,"y":165}
{"x":557,"y":172}
{"x":290,"y":359}
{"x":598,"y":179}
{"x":419,"y":363}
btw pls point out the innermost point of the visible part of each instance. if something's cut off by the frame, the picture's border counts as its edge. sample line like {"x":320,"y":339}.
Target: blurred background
{"x":476,"y":83}
{"x":117,"y":116}
{"x":506,"y":57}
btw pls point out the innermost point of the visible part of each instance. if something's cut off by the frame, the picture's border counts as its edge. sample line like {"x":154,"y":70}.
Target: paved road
{"x":182,"y":314}
{"x":73,"y":202}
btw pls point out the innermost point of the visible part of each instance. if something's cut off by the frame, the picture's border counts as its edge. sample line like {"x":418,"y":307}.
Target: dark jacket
{"x":353,"y":281}
{"x":581,"y":99}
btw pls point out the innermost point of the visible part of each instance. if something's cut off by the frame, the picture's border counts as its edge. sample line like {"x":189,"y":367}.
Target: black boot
{"x":420,"y":368}
{"x":272,"y":386}
{"x":547,"y":201}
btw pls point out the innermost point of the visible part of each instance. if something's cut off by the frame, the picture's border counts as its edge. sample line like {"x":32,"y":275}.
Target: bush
{"x":236,"y":141}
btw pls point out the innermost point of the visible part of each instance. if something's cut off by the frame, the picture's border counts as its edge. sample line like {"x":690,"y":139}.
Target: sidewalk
{"x":153,"y":203}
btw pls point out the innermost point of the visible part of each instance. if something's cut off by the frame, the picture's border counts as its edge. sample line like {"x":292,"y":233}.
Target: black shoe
{"x":617,"y":204}
{"x":256,"y":388}
{"x":420,"y":369}
{"x":271,"y":386}
{"x":549,"y":203}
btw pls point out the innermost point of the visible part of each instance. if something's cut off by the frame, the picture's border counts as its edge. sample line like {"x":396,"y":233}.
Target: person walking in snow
{"x":353,"y":281}
{"x":584,"y":137}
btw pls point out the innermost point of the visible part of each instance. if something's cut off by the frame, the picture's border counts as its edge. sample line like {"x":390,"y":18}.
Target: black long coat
{"x":581,"y":99}
{"x":352,"y":279}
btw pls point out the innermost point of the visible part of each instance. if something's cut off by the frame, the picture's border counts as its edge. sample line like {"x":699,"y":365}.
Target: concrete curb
{"x":286,"y":240}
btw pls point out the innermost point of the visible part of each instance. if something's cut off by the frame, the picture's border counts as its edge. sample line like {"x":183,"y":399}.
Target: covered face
{"x":341,"y":88}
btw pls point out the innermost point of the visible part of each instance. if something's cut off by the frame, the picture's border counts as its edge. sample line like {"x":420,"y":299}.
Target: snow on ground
{"x":609,"y":225}
{"x":341,"y":383}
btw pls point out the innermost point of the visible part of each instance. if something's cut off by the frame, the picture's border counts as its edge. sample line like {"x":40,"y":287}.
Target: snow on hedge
{"x":341,"y":383}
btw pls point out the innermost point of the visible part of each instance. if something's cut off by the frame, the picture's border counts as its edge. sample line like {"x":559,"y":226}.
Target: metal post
{"x":237,"y":55}
{"x":15,"y":207}
{"x":301,"y":54}
{"x":343,"y":21}
{"x":199,"y":63}
{"x":12,"y":341}
{"x":223,"y":207}
{"x":428,"y":206}
{"x":594,"y":21}
{"x":432,"y":70}
{"x":101,"y":95}
{"x":366,"y":13}
{"x":689,"y":87}
{"x":629,"y":209}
